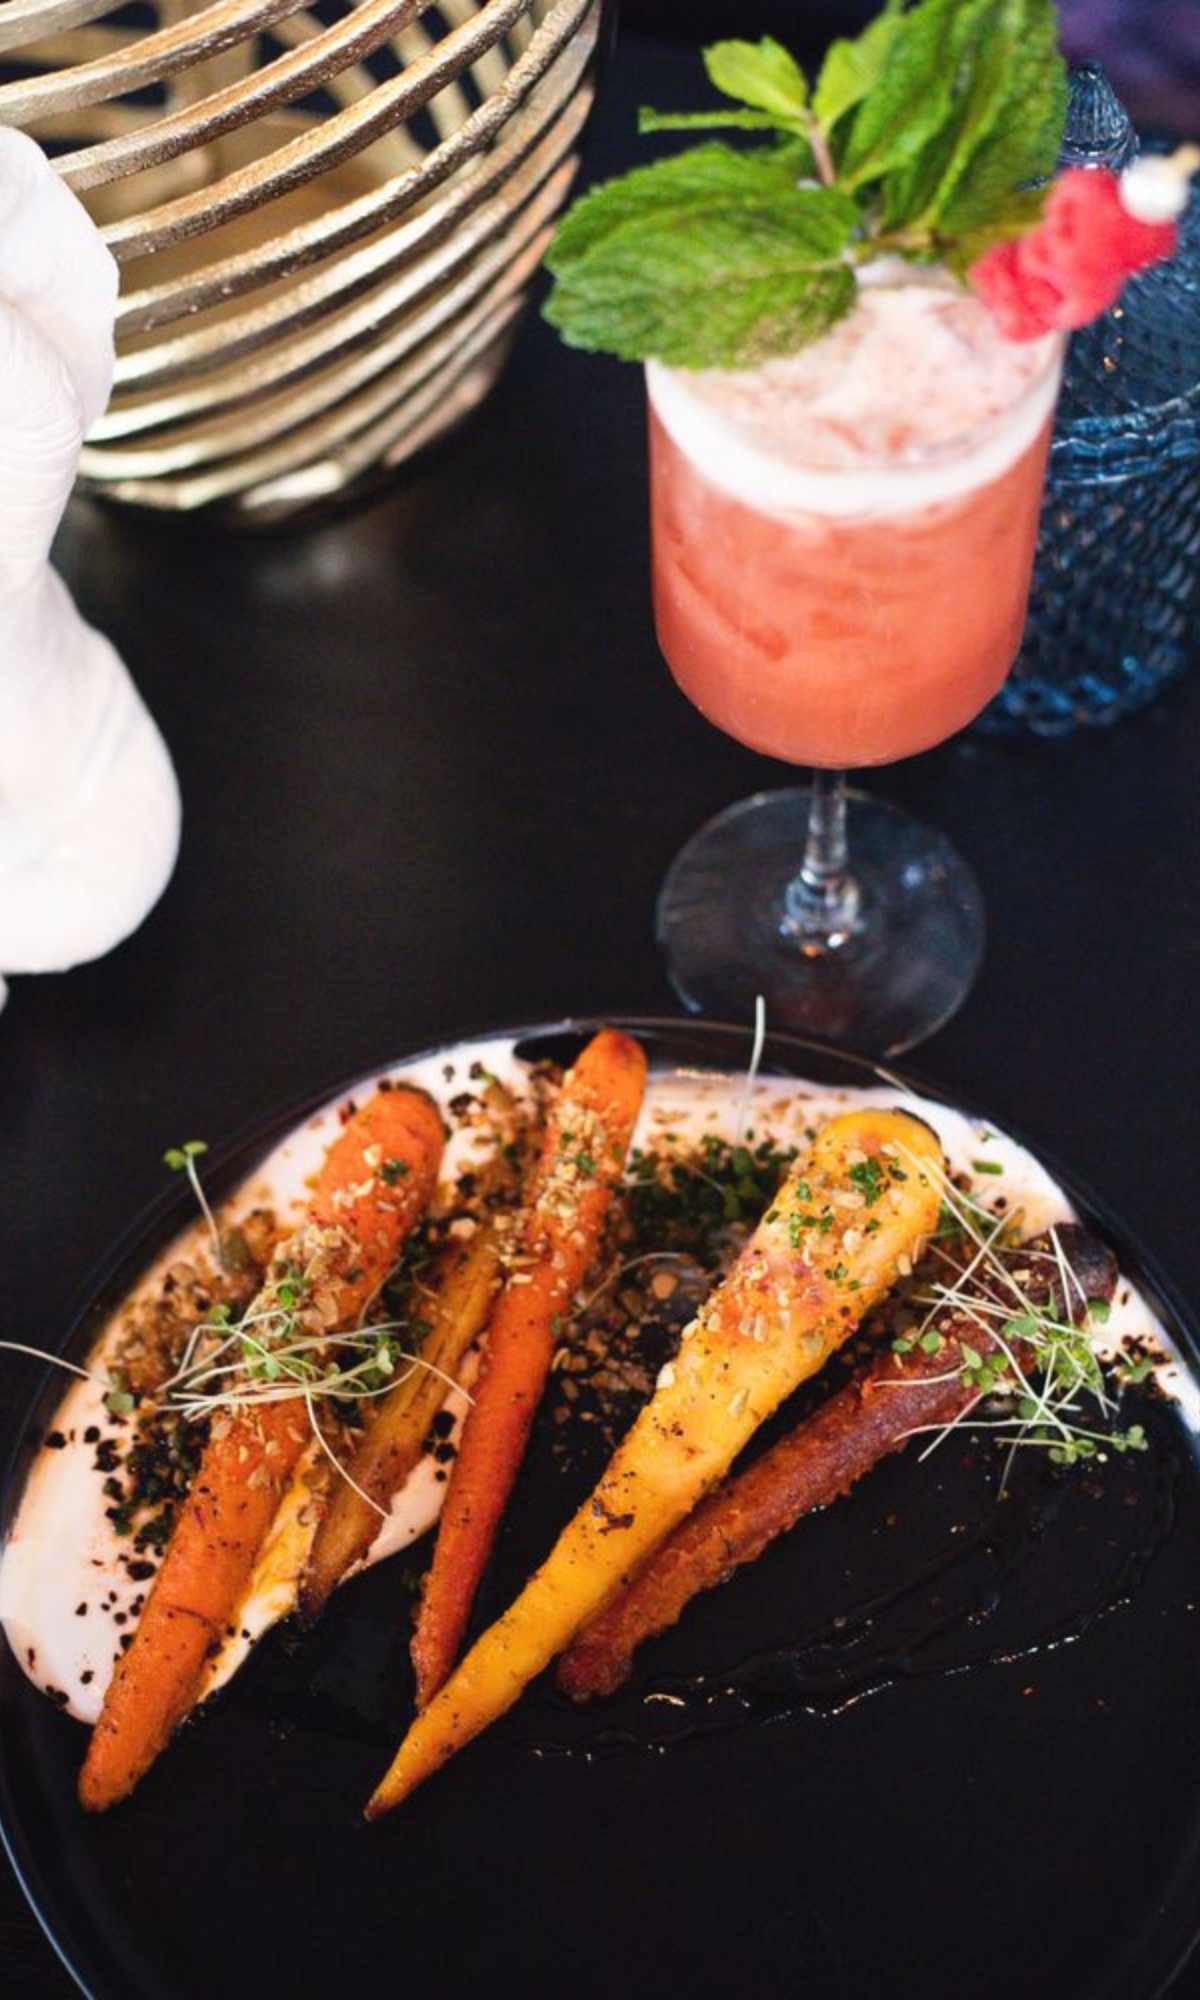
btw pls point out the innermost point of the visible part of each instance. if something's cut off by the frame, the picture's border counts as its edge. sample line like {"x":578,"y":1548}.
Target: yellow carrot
{"x":829,"y":1247}
{"x":399,"y":1423}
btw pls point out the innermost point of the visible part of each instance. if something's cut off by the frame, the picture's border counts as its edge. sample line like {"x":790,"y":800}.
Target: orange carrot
{"x":374,"y":1185}
{"x":582,"y":1160}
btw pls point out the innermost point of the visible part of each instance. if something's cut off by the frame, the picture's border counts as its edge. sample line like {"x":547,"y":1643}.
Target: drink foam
{"x":913,"y":400}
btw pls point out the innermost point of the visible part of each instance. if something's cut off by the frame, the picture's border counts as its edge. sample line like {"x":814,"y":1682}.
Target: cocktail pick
{"x":1109,"y":214}
{"x":89,"y":805}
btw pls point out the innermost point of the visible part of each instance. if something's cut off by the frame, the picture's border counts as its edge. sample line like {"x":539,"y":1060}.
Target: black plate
{"x":974,"y":1771}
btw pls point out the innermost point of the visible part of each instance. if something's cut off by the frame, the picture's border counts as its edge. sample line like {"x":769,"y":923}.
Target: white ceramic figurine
{"x":89,"y":806}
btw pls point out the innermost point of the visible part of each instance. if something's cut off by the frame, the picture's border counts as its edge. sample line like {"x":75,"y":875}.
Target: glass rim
{"x":961,"y":445}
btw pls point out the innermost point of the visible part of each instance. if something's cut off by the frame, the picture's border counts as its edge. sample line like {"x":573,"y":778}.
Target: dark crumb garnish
{"x":159,"y":1459}
{"x":155,"y":1331}
{"x":703,"y":1201}
{"x":55,"y":1441}
{"x":155,"y":1533}
{"x":684,"y":1213}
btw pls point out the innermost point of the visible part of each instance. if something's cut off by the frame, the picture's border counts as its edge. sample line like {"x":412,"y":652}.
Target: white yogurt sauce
{"x":63,"y":1552}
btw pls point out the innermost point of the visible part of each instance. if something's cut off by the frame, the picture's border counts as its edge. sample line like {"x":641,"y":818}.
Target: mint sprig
{"x":764,"y":80}
{"x":924,"y":136}
{"x":714,"y":258}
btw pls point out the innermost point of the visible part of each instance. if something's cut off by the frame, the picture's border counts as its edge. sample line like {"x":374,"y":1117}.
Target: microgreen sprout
{"x":268,"y":1358}
{"x":756,"y":1053}
{"x":118,"y":1397}
{"x":182,"y":1160}
{"x":949,"y":1224}
{"x":1032,"y":1351}
{"x":280,"y":1348}
{"x":336,"y":1462}
{"x":277,"y":1350}
{"x":1136,"y":1369}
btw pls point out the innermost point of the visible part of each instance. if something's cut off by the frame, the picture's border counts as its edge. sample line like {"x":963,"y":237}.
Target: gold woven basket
{"x":326,"y":217}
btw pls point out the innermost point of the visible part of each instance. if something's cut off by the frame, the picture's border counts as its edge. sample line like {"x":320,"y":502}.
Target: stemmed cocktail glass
{"x":843,"y":544}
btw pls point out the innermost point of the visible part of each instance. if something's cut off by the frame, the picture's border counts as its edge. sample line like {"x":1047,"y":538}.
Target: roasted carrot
{"x":375,"y":1182}
{"x":397,"y":1428}
{"x":864,"y":1197}
{"x":582,"y":1159}
{"x":876,"y":1413}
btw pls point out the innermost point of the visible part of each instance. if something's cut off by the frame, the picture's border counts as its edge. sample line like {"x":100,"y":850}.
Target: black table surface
{"x":433,"y":770}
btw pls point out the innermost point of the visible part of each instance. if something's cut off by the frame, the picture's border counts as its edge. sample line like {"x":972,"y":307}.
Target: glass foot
{"x":900,"y":962}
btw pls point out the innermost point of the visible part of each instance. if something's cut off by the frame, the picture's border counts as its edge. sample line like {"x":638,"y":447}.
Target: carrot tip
{"x":94,"y":1795}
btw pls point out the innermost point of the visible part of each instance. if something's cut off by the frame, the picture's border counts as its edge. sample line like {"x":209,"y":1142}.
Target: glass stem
{"x":822,"y":902}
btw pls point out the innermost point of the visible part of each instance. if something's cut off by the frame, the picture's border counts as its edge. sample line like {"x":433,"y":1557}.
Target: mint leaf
{"x":911,"y":98}
{"x":852,"y":68}
{"x":1003,"y":125}
{"x":722,"y":281}
{"x":694,"y":181}
{"x":974,"y":92}
{"x":1025,"y":139}
{"x":983,"y":42}
{"x":705,"y":121}
{"x":1020,"y":212}
{"x":761,"y":74}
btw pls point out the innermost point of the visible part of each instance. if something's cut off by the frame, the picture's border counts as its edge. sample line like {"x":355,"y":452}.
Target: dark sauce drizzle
{"x":935,"y":1622}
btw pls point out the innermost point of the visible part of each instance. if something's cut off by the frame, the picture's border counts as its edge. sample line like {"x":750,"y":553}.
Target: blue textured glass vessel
{"x":1117,"y":581}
